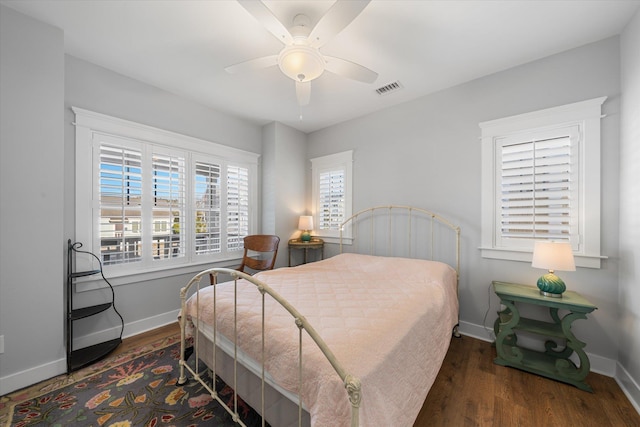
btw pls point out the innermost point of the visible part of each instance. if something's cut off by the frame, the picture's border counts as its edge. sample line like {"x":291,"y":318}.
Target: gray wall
{"x":427,"y":153}
{"x":145,"y":304}
{"x":31,"y":202}
{"x":629,"y":288}
{"x":401,"y":155}
{"x":39,"y":84}
{"x":283,"y":183}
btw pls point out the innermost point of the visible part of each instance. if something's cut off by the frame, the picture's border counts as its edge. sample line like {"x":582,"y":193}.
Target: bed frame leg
{"x":456,"y":332}
{"x":188,"y":352}
{"x":182,"y":379}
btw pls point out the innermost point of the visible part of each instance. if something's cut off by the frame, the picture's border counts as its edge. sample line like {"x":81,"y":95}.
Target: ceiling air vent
{"x":391,"y":87}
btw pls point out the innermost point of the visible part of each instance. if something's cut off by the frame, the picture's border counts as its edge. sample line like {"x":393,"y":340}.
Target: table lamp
{"x":552,"y":256}
{"x":306,"y":225}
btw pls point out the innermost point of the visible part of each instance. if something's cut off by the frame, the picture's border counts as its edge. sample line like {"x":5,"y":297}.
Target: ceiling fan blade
{"x":254,"y":64}
{"x":264,"y":15}
{"x":335,"y":20}
{"x":350,"y":69}
{"x":303,"y":92}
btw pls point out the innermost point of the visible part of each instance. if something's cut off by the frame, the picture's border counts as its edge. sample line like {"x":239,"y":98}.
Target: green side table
{"x":553,"y":362}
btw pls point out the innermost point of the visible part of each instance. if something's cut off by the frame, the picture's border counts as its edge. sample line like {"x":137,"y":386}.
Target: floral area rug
{"x":137,"y":390}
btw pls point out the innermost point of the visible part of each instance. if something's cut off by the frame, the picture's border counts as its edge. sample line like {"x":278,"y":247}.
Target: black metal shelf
{"x":80,"y":358}
{"x":81,"y":313}
{"x":85,"y":273}
{"x":88,"y":355}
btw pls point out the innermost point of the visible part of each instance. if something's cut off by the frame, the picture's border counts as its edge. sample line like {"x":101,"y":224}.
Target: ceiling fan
{"x":300,"y":59}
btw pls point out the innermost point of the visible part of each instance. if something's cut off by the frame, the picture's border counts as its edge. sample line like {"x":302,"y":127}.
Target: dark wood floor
{"x":146,"y":338}
{"x":471,"y":390}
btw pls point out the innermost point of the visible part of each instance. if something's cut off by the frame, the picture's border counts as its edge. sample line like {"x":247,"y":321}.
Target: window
{"x":541,"y":181}
{"x":160,"y":200}
{"x":331,"y":193}
{"x":207,"y":196}
{"x":538,"y":187}
{"x":237,"y":207}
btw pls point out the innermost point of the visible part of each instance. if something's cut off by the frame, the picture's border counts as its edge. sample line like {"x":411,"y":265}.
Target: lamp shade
{"x":305,"y":223}
{"x":554,"y":256}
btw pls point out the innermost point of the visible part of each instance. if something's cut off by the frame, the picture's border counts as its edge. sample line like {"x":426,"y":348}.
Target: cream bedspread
{"x":387,"y":320}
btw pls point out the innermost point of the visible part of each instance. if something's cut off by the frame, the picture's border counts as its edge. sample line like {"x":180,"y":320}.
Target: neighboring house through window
{"x":541,"y":181}
{"x":148,"y":199}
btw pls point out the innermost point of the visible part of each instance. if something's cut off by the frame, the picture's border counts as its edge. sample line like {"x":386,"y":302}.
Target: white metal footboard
{"x":351,"y":383}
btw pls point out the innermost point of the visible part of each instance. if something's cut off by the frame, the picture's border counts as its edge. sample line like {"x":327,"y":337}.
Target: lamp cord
{"x":484,"y":320}
{"x":76,"y":248}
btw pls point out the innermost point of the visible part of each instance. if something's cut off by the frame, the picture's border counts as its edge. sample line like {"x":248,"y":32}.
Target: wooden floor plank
{"x":145,"y":338}
{"x":471,"y":390}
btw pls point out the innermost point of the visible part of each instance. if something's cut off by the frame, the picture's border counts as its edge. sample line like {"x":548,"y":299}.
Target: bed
{"x":355,"y":339}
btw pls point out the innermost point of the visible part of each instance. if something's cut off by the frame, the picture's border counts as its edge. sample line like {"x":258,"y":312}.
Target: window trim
{"x":587,"y":115}
{"x":89,"y":123}
{"x":342,"y":160}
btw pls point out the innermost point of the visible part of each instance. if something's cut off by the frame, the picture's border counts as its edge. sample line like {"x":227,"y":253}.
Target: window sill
{"x":587,"y":261}
{"x":96,"y":282}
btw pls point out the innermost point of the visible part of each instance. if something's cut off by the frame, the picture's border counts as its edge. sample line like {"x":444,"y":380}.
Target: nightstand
{"x":314,"y":244}
{"x":553,"y":362}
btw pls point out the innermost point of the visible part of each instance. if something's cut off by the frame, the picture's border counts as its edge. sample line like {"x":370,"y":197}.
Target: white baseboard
{"x":130,"y":329}
{"x":629,"y":386}
{"x":36,"y":374}
{"x":476,"y":331}
{"x":600,"y":365}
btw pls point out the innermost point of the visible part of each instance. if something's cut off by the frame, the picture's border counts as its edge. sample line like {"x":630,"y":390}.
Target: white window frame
{"x":339,"y":161}
{"x":586,"y":116}
{"x":91,"y":124}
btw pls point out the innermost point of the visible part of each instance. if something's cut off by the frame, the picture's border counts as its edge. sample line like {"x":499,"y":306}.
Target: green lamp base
{"x":305,"y":236}
{"x":551,"y":285}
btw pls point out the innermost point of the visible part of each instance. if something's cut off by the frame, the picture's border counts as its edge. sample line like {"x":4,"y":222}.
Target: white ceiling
{"x":184,"y":46}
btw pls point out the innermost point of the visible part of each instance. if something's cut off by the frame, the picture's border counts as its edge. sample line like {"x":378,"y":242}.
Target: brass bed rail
{"x":351,"y":383}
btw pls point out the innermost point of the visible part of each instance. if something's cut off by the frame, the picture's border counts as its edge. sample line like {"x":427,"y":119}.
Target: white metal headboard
{"x":391,"y":220}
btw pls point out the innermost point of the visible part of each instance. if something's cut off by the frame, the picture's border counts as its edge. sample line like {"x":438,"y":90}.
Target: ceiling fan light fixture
{"x":301,"y":63}
{"x":300,"y":59}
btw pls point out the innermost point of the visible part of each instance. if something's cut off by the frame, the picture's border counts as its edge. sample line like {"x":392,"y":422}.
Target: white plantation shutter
{"x":331,"y":202}
{"x":120,"y":203}
{"x":538,"y":187}
{"x":149,"y":200}
{"x":237,"y":207}
{"x":168,"y":207}
{"x":207,"y":203}
{"x":332,"y":194}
